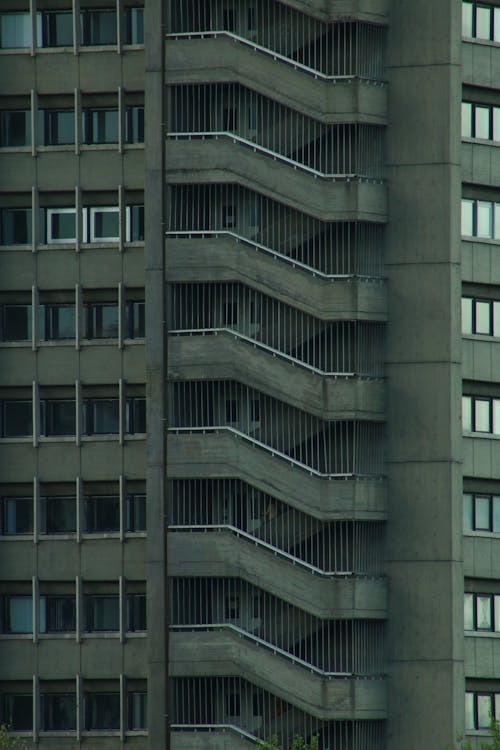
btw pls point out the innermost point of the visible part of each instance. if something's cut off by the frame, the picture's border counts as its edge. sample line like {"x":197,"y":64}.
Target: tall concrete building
{"x":250,"y":370}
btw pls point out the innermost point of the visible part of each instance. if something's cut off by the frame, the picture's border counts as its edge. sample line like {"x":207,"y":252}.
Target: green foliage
{"x":298,"y":744}
{"x":493,"y":744}
{"x":7,"y":742}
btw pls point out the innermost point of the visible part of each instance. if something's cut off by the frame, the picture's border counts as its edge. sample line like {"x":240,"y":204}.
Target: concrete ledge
{"x":225,"y":555}
{"x":221,"y":160}
{"x":224,"y":356}
{"x":224,"y":653}
{"x":199,"y":61}
{"x":223,"y":455}
{"x":223,"y":258}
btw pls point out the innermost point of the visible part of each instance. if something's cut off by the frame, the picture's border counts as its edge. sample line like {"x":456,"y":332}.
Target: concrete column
{"x":425,"y":632}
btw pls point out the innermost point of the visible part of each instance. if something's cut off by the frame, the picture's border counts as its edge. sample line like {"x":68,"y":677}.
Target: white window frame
{"x":94,"y":210}
{"x":52,"y":212}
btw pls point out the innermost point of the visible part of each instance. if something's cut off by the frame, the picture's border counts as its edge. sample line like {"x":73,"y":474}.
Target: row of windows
{"x":57,"y":614}
{"x":58,"y":321}
{"x":99,"y":416}
{"x":56,"y":127}
{"x":480,"y":21}
{"x":58,"y":514}
{"x":480,"y":121}
{"x":480,"y":316}
{"x":58,"y":225}
{"x":481,"y":414}
{"x":58,"y":711}
{"x":480,"y":219}
{"x":482,"y":612}
{"x":481,"y":512}
{"x":55,"y":28}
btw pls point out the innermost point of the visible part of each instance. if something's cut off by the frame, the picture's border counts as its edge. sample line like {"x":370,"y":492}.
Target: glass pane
{"x":467,"y":218}
{"x":15,"y":128}
{"x":496,"y":416}
{"x":467,"y":19}
{"x":20,"y":614}
{"x":468,"y":612}
{"x":484,"y":709}
{"x":496,"y":609}
{"x":497,"y":221}
{"x":483,"y":612}
{"x":60,"y":322}
{"x":17,"y":323}
{"x":482,"y":122}
{"x":468,"y":518}
{"x":109,"y":321}
{"x":483,"y":23}
{"x":496,"y":120}
{"x":482,"y":415}
{"x":17,"y":419}
{"x":496,"y":318}
{"x":466,"y":315}
{"x":15,"y":30}
{"x":59,"y":712}
{"x":483,"y":317}
{"x":57,"y":29}
{"x":15,"y":227}
{"x":17,"y":515}
{"x":105,"y":613}
{"x":484,"y":219}
{"x":105,"y":225}
{"x":496,"y":21}
{"x":469,"y":710}
{"x":60,"y":514}
{"x":106,"y":418}
{"x":466,"y":119}
{"x":466,"y":413}
{"x":482,"y":520}
{"x":496,"y":513}
{"x":61,"y":226}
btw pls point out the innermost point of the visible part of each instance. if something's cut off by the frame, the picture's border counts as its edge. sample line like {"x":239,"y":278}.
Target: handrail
{"x":274,"y":253}
{"x":273,"y":451}
{"x":275,"y":55}
{"x":216,"y":728}
{"x":202,"y":135}
{"x":296,"y":561}
{"x":271,"y":647}
{"x":265,"y":347}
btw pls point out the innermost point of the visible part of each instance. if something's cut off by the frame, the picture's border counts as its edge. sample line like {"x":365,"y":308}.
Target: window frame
{"x":27,"y":432}
{"x":471,"y":513}
{"x":45,"y":708}
{"x":9,"y":520}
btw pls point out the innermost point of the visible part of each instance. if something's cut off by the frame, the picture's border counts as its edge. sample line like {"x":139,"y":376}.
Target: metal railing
{"x":334,"y":647}
{"x":217,"y":703}
{"x":329,"y":248}
{"x":323,"y":547}
{"x":344,"y":49}
{"x":230,"y":110}
{"x":325,"y":347}
{"x":338,"y":447}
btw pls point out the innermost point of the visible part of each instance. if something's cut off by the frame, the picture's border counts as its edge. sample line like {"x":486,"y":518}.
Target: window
{"x":102,"y":711}
{"x":61,"y":225}
{"x":101,"y":416}
{"x":104,"y":224}
{"x":231,"y":607}
{"x":135,"y":322}
{"x":228,"y":19}
{"x":17,"y":614}
{"x":15,"y":226}
{"x":480,"y":121}
{"x":137,"y":710}
{"x":56,"y":28}
{"x":56,"y":322}
{"x":102,"y":320}
{"x":134,"y":25}
{"x":98,"y":27}
{"x":58,"y":417}
{"x":15,"y":30}
{"x":479,"y":708}
{"x":58,"y":712}
{"x":136,"y":512}
{"x":57,"y":614}
{"x":16,"y":515}
{"x":480,"y":219}
{"x":482,"y":612}
{"x":233,"y":704}
{"x":135,"y":223}
{"x":136,"y":612}
{"x":230,"y":313}
{"x":228,"y":217}
{"x":58,"y":514}
{"x":134,"y":123}
{"x":481,"y":512}
{"x":16,"y":419}
{"x":15,"y":322}
{"x":230,"y":119}
{"x":480,"y":21}
{"x":135,"y":415}
{"x":231,"y":411}
{"x":17,"y":712}
{"x":56,"y":127}
{"x":481,"y":414}
{"x":100,"y":126}
{"x":102,"y":513}
{"x":103,"y":613}
{"x":480,"y":316}
{"x":15,"y":128}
